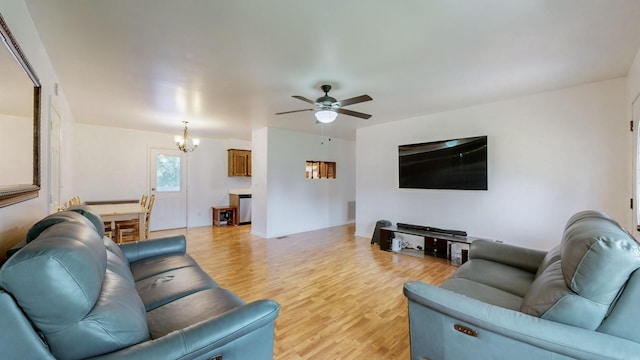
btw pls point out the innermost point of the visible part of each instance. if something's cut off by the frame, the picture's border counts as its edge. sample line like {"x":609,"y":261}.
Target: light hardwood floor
{"x":340,"y":297}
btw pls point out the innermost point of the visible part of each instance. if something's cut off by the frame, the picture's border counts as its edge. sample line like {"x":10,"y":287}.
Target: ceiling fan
{"x":328,"y":108}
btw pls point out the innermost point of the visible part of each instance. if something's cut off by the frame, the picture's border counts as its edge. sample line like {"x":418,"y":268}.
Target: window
{"x":167,"y":173}
{"x":320,"y":170}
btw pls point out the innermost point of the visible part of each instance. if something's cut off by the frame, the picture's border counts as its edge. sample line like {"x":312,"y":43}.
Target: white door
{"x":168,"y":174}
{"x":54,"y":159}
{"x":635,"y":109}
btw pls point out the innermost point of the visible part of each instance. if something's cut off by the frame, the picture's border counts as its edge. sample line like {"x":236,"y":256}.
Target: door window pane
{"x":167,"y":173}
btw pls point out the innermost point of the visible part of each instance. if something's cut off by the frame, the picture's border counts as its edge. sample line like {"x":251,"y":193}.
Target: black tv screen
{"x":458,"y":164}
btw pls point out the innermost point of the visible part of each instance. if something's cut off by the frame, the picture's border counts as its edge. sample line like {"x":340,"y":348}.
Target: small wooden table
{"x":217,"y":219}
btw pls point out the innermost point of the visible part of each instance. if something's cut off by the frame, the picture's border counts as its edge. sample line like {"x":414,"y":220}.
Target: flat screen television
{"x":458,"y":164}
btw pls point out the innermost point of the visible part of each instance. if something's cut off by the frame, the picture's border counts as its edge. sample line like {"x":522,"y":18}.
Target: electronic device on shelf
{"x":432,"y":229}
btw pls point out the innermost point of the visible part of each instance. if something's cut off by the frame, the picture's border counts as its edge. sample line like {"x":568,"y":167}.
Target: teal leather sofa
{"x":71,"y":293}
{"x":580,"y":300}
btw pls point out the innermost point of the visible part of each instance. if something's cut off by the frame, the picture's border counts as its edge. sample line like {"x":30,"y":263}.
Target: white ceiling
{"x":228,"y":66}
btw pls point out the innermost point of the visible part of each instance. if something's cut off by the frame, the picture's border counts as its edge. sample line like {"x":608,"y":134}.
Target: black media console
{"x":431,"y":229}
{"x":437,"y":242}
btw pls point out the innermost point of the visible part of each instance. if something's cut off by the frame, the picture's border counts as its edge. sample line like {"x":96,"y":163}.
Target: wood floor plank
{"x":340,"y":297}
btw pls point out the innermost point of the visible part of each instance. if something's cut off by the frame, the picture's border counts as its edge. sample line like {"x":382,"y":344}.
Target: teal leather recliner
{"x":580,"y":300}
{"x":71,"y":293}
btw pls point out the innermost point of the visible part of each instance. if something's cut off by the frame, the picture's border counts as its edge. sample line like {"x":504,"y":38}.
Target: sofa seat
{"x":71,"y":293}
{"x":163,"y":288}
{"x":484,"y":293}
{"x":192,"y":308}
{"x":147,"y":267}
{"x":502,"y":277}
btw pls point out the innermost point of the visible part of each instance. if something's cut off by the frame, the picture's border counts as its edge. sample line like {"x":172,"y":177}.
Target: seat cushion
{"x":500,"y":276}
{"x":484,"y":293}
{"x":192,"y":309}
{"x":169,"y":286}
{"x":148,"y":267}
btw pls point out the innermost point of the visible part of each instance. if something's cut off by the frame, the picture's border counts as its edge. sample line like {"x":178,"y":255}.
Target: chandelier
{"x":184,"y":143}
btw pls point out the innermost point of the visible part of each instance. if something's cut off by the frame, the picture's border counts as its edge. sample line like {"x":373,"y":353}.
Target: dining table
{"x":127,"y":211}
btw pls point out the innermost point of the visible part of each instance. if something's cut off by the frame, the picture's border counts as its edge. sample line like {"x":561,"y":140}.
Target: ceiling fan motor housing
{"x":326,"y":102}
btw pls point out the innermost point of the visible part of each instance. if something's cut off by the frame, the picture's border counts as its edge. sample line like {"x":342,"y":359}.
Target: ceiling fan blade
{"x":294,"y":111}
{"x":355,"y":100}
{"x":353,"y":113}
{"x":304,"y":99}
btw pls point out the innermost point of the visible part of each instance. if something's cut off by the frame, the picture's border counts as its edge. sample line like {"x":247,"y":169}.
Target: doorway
{"x":167,"y":181}
{"x":55,"y":185}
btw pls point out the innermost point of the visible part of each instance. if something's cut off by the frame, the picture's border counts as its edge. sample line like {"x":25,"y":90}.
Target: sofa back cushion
{"x":625,"y":316}
{"x":55,"y":218}
{"x":114,"y":249}
{"x":552,"y":256}
{"x":597,"y":257}
{"x":82,"y":304}
{"x":91,"y":215}
{"x":550,"y":298}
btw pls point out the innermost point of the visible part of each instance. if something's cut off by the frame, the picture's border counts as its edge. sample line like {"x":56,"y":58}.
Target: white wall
{"x":113,"y":164}
{"x":15,"y":220}
{"x":295,"y":204}
{"x":259,"y":159}
{"x":550,"y":155}
{"x":633,"y":78}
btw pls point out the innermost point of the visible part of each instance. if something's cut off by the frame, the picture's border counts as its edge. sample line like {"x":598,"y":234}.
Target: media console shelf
{"x":436,"y":244}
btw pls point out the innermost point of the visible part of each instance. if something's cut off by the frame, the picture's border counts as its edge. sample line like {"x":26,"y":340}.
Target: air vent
{"x":351,"y":210}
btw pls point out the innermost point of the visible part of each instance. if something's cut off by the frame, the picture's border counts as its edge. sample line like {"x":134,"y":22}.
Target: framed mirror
{"x":19,"y":123}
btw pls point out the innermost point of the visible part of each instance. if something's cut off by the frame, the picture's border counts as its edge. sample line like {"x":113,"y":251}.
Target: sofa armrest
{"x":138,"y":250}
{"x":211,"y":336}
{"x":516,"y":256}
{"x":501,"y":332}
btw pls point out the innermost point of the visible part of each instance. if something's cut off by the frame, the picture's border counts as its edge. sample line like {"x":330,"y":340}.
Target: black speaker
{"x":376,"y":233}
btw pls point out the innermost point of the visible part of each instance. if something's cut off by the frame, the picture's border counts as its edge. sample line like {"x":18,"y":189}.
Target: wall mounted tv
{"x":458,"y":164}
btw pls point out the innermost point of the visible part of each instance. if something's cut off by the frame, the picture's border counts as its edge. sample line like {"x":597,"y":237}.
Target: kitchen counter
{"x":240,"y":192}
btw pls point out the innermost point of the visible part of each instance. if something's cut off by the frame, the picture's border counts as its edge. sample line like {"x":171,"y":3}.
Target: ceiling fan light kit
{"x":326,"y":116}
{"x":328,"y":108}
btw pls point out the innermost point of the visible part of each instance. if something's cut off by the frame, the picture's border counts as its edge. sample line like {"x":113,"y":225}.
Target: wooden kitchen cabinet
{"x":239,"y":162}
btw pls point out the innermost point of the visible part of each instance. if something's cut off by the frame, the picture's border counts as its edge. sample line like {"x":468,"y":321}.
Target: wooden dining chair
{"x":143,"y":200}
{"x":108,"y":229}
{"x":152,"y":199}
{"x":127,"y":230}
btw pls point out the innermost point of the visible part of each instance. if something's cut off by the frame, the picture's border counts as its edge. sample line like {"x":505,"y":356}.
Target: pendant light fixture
{"x":184,"y":143}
